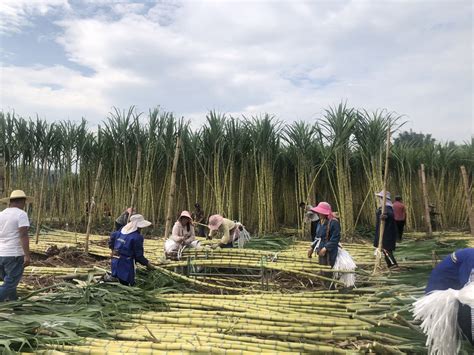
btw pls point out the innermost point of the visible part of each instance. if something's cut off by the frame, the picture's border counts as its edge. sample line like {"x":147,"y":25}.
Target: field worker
{"x":182,"y":236}
{"x":198,"y":218}
{"x":390,"y":232}
{"x":328,"y":234}
{"x":123,"y":218}
{"x":310,"y":217}
{"x":399,"y":213}
{"x":447,"y":309}
{"x":14,"y":244}
{"x":127,"y":248}
{"x":229,"y":231}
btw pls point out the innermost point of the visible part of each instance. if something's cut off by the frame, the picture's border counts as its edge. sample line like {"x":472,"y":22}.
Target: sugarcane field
{"x":154,"y":243}
{"x":236,"y":177}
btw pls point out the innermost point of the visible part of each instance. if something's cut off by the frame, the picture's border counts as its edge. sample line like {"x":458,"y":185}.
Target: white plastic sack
{"x":438,"y":312}
{"x":344,"y":262}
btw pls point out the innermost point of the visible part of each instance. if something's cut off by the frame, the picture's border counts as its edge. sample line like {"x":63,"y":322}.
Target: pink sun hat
{"x":215,"y":222}
{"x":185,"y":214}
{"x":323,"y":208}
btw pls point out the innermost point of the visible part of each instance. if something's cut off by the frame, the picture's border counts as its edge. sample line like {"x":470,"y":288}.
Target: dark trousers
{"x":314,"y":225}
{"x":465,"y":321}
{"x":389,"y":258}
{"x":400,"y":227}
{"x":324,"y":260}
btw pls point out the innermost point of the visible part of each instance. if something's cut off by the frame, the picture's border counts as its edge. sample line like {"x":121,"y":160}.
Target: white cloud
{"x":291,"y":59}
{"x":14,"y":14}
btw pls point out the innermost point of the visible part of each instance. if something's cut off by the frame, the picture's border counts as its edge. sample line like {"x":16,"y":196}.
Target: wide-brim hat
{"x":185,"y":214}
{"x":215,"y":222}
{"x":15,"y":195}
{"x":323,"y":208}
{"x":136,"y":221}
{"x":387,"y":194}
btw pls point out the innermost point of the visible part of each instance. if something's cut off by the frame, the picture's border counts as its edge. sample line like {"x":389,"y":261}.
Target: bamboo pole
{"x":135,"y":182}
{"x":40,"y":202}
{"x":2,"y":171}
{"x":467,"y":194}
{"x":172,"y":191}
{"x":425,"y":201}
{"x":91,"y":206}
{"x":378,"y":259}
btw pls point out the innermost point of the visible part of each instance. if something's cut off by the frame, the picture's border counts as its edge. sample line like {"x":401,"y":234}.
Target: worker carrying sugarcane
{"x":182,"y":236}
{"x":231,"y":232}
{"x":390,"y":232}
{"x":447,"y":309}
{"x":127,"y":249}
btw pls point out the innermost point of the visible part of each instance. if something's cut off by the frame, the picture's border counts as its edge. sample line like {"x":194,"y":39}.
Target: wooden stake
{"x":172,"y":192}
{"x":40,"y":202}
{"x":378,"y":258}
{"x":135,"y":183}
{"x":2,"y":172}
{"x":467,"y":195}
{"x":425,"y":200}
{"x":91,"y":206}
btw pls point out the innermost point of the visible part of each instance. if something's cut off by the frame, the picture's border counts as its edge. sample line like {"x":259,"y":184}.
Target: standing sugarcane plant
{"x":172,"y":191}
{"x":338,"y":126}
{"x":92,"y":206}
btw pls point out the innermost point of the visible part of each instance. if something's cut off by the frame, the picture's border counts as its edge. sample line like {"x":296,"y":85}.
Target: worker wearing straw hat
{"x":229,"y":230}
{"x":447,"y":309}
{"x":390,"y":232}
{"x":127,"y":248}
{"x":14,"y":244}
{"x":182,"y":236}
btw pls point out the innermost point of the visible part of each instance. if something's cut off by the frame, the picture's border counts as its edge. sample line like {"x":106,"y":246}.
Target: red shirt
{"x":399,"y":211}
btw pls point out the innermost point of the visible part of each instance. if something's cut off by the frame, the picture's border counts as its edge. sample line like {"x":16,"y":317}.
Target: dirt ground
{"x":68,"y":257}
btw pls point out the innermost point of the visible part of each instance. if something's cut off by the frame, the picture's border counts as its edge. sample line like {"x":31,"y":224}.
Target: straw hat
{"x":380,"y":194}
{"x":136,"y":221}
{"x":215,"y":222}
{"x":185,"y":214}
{"x":323,"y":208}
{"x":15,"y":195}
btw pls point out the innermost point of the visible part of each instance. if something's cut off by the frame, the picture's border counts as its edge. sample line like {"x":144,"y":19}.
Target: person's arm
{"x":226,"y":237}
{"x":25,"y":244}
{"x":138,"y":251}
{"x":335,"y":237}
{"x":176,"y":233}
{"x":112,"y":238}
{"x":191,"y":237}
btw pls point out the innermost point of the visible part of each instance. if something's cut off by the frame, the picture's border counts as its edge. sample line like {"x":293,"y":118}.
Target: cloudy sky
{"x":67,"y":59}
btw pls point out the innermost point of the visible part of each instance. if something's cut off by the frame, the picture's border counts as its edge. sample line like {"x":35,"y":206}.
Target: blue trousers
{"x":11,"y":271}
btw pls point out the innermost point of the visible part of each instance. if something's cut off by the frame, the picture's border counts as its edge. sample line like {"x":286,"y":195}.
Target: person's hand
{"x":384,"y":217}
{"x":322,"y":252}
{"x":310,"y":252}
{"x":26,"y":260}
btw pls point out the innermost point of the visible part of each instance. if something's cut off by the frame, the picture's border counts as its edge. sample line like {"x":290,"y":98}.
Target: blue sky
{"x":65,"y":59}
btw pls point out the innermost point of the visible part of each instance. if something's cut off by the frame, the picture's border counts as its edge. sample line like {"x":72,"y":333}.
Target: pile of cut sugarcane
{"x":238,"y":301}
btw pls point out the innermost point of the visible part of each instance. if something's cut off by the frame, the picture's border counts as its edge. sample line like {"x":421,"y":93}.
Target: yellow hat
{"x":15,"y":195}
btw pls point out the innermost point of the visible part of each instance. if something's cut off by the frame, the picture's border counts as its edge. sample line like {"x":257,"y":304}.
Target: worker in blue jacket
{"x":455,"y":272}
{"x":328,"y":234}
{"x":127,"y":248}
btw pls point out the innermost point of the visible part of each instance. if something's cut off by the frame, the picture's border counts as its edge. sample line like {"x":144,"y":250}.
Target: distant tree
{"x":414,"y":139}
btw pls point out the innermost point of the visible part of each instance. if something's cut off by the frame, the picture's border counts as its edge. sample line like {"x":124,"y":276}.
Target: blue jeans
{"x":11,"y":271}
